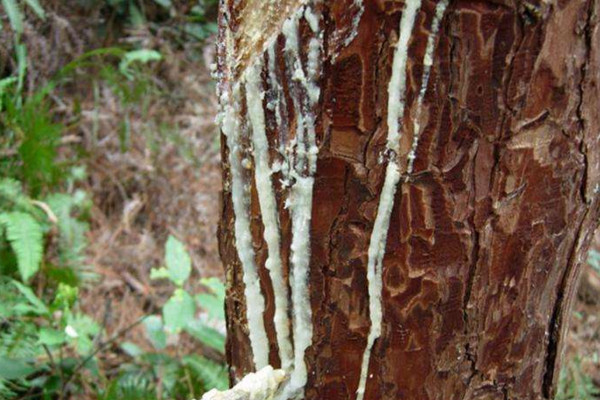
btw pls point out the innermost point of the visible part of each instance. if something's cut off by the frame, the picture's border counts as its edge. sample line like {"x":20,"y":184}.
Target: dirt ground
{"x":142,"y":196}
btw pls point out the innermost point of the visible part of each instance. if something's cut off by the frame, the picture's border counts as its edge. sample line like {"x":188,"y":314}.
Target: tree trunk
{"x":409,"y":192}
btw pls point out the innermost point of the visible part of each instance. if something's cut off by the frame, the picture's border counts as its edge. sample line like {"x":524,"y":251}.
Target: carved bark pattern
{"x":488,"y":231}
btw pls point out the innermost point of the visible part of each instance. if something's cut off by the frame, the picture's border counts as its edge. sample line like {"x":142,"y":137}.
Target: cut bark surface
{"x":489,"y":228}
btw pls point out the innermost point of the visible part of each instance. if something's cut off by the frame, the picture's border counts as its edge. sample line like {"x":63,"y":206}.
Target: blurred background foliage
{"x":110,"y":282}
{"x":107,"y":243}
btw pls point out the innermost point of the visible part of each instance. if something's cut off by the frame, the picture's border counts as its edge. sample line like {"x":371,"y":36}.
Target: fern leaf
{"x":12,"y":198}
{"x":37,"y":8}
{"x":11,"y":191}
{"x":14,"y":15}
{"x":212,"y":374}
{"x":73,"y":229}
{"x":26,"y":238}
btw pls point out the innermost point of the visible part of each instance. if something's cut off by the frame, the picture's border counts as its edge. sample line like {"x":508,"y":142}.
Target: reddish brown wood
{"x":488,"y":234}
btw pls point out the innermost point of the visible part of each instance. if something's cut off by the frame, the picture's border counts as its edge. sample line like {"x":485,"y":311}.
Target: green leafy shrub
{"x":35,"y":336}
{"x":187,"y":375}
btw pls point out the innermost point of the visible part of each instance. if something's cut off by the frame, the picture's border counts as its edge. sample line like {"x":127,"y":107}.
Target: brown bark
{"x":488,"y":233}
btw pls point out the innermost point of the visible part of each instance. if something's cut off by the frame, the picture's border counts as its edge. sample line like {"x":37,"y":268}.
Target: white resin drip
{"x":427,"y":63}
{"x":356,"y":21}
{"x":312,"y":18}
{"x":397,"y":85}
{"x":255,"y":302}
{"x":277,"y":89}
{"x":303,"y":167}
{"x":292,"y":53}
{"x":314,"y":92}
{"x":268,"y":208}
{"x":301,"y":211}
{"x":396,"y":98}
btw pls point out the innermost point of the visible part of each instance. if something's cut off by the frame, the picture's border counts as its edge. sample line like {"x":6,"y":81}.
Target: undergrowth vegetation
{"x":51,"y":347}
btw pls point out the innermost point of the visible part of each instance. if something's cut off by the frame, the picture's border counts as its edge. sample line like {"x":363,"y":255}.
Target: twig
{"x":98,"y":349}
{"x":46,"y":208}
{"x":58,"y":369}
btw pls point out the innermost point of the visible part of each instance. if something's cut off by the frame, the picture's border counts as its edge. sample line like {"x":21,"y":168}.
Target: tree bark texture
{"x":493,"y":206}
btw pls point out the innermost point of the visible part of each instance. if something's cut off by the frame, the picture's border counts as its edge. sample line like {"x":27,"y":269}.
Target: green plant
{"x":14,"y":12}
{"x":26,"y":225}
{"x":182,"y":21}
{"x":158,"y":373}
{"x":574,"y":384}
{"x":43,"y":228}
{"x":127,"y":73}
{"x":35,"y":337}
{"x":49,"y":348}
{"x":594,"y":260}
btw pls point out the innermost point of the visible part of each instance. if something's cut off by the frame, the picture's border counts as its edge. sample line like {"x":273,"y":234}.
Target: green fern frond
{"x":12,"y":196}
{"x":40,"y":137}
{"x":73,"y":229}
{"x":37,"y":8}
{"x":10,"y":188}
{"x":18,"y":339}
{"x":26,"y":238}
{"x":212,"y":374}
{"x":15,"y":16}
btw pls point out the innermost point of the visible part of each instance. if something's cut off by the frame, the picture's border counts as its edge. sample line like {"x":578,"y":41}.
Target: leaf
{"x":207,"y":335}
{"x":10,"y":188}
{"x":82,"y":330}
{"x":13,"y":198}
{"x":66,"y":296}
{"x":179,"y":311}
{"x":14,"y":15}
{"x":136,"y":17}
{"x":160,"y":273}
{"x":214,"y":306}
{"x":155,"y":332}
{"x":178,"y":261}
{"x":62,"y":275}
{"x":38,"y":149}
{"x":72,"y":240}
{"x":143,"y":56}
{"x":132,"y":349}
{"x":212,"y":375}
{"x":37,"y":8}
{"x":26,"y":239}
{"x":51,"y":337}
{"x":215,"y":285}
{"x":213,"y":303}
{"x":164,"y":3}
{"x":14,"y":369}
{"x":5,"y":83}
{"x":38,"y":306}
{"x":21,"y":53}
